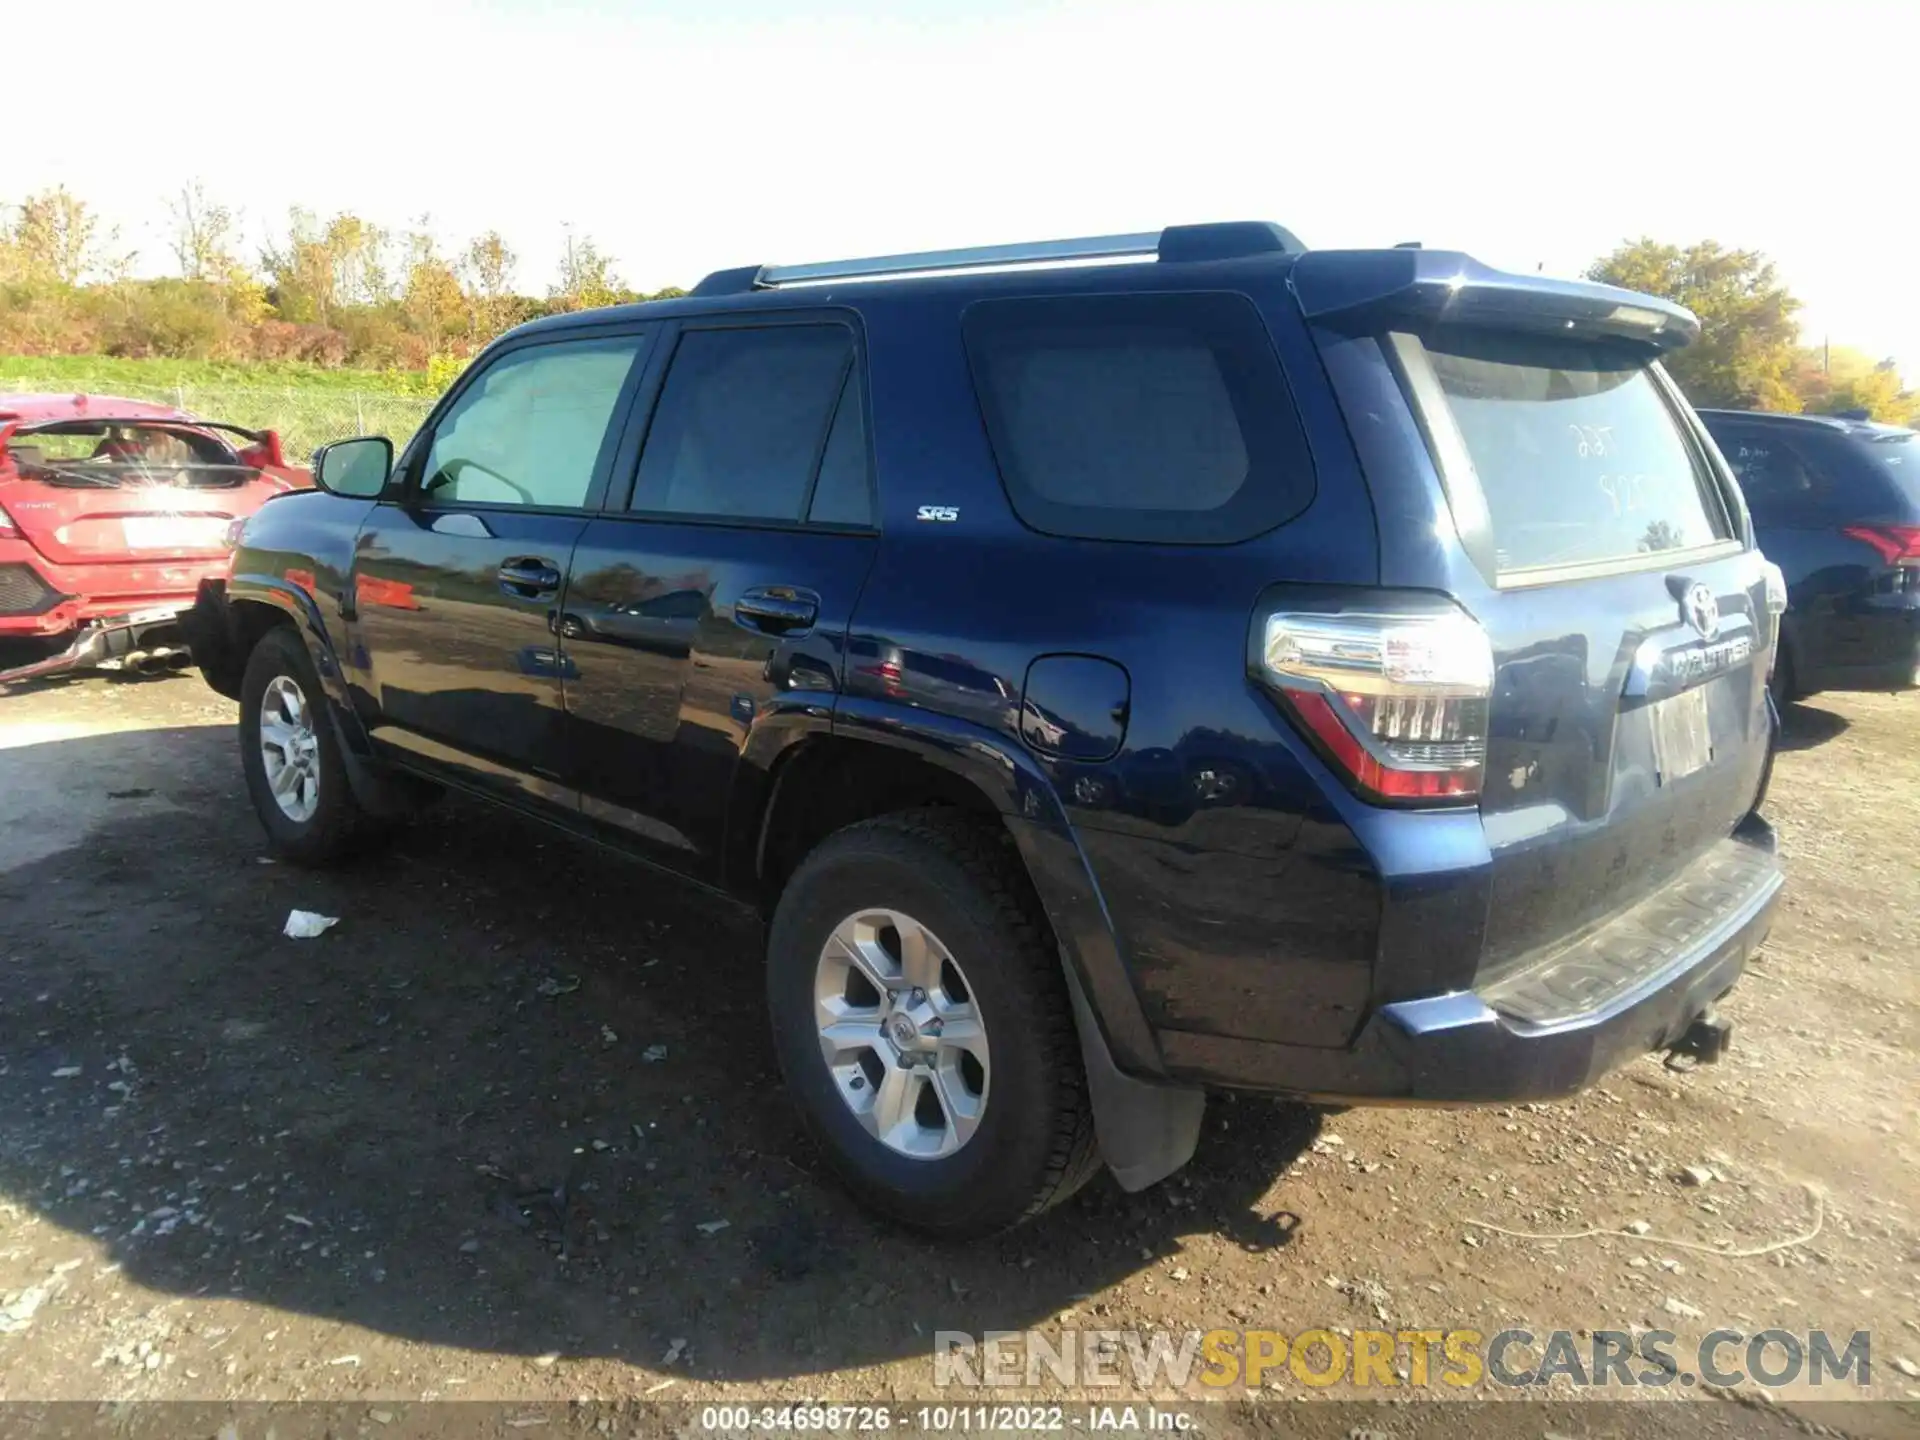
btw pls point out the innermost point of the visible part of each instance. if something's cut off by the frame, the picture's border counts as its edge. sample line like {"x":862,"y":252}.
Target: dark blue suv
{"x":1836,"y":505}
{"x":1116,"y":668}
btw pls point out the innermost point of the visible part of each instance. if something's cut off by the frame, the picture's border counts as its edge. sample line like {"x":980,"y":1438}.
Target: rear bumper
{"x":40,"y":599}
{"x":1898,"y":674}
{"x":132,"y":637}
{"x":1548,"y":1031}
{"x":211,"y":639}
{"x":1885,"y":653}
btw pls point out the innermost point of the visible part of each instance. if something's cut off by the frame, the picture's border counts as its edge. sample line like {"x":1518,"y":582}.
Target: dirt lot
{"x":512,"y":1129}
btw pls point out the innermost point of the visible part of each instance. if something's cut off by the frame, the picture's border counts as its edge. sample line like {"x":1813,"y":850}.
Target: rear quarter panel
{"x":1238,"y":898}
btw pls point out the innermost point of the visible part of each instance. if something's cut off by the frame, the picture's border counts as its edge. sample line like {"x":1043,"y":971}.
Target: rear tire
{"x":1783,"y":682}
{"x":1019,"y":1124}
{"x":295,"y":774}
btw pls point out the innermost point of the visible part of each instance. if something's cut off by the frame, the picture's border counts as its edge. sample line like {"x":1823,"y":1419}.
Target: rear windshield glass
{"x":1139,"y":417}
{"x":1578,"y":457}
{"x":1899,"y":456}
{"x":104,"y":453}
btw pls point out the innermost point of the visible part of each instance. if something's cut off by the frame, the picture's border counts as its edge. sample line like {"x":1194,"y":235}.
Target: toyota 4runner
{"x":1117,"y":668}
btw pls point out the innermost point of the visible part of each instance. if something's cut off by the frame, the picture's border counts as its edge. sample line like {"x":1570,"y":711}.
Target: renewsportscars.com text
{"x":1399,"y":1359}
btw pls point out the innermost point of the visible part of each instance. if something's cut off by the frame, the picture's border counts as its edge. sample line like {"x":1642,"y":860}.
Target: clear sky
{"x":685,"y":136}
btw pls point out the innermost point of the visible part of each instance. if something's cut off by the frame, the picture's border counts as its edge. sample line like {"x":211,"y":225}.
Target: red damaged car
{"x":111,"y":513}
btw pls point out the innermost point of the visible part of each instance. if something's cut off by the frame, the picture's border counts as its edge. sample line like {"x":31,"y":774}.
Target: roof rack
{"x":1223,"y":241}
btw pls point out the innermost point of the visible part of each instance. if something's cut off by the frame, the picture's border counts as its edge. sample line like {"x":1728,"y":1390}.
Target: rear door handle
{"x":530,"y":578}
{"x":777,"y":609}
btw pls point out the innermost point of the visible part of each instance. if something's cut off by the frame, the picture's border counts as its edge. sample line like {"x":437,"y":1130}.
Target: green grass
{"x":306,"y":404}
{"x":103,"y":373}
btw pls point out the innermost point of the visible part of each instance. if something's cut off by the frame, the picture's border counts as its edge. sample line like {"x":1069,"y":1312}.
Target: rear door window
{"x":1139,"y":417}
{"x":1777,"y":481}
{"x":743,"y":424}
{"x":842,"y":494}
{"x":1572,"y":454}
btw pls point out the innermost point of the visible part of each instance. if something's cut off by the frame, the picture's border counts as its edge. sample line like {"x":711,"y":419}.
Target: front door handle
{"x":777,"y":610}
{"x":530,"y":578}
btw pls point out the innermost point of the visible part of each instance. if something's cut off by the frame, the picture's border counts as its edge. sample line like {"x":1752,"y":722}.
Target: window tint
{"x":1897,"y":454}
{"x":529,"y":431}
{"x":741,"y":422}
{"x":1575,"y":449}
{"x":840,"y":495}
{"x":1772,"y":476}
{"x":1139,"y":417}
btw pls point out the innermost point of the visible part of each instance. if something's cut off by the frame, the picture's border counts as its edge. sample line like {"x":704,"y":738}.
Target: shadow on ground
{"x":1803,"y":726}
{"x":441,"y":1120}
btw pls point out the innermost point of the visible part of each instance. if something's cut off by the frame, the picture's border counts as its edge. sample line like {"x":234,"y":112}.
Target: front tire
{"x":923,"y":1025}
{"x":295,"y":774}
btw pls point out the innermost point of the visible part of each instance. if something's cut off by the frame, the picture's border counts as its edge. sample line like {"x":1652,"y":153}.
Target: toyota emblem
{"x":1700,"y":610}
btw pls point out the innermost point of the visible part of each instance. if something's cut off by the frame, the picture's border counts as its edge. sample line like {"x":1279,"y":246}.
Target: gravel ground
{"x":512,"y":1131}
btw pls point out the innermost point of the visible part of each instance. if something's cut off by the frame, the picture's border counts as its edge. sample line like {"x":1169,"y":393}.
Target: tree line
{"x":345,"y":291}
{"x":1749,"y":355}
{"x":338,"y":292}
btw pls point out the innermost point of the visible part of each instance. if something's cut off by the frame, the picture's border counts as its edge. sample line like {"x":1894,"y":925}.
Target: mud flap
{"x":1146,"y":1132}
{"x":383,"y":795}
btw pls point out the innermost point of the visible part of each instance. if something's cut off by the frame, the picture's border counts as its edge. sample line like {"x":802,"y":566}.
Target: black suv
{"x":1836,"y":505}
{"x":1206,"y":663}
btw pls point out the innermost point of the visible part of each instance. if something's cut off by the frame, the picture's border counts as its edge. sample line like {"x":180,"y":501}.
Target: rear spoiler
{"x":268,"y":440}
{"x":1413,"y":287}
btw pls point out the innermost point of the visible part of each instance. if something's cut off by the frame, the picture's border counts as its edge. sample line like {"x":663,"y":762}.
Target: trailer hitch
{"x":1702,"y":1043}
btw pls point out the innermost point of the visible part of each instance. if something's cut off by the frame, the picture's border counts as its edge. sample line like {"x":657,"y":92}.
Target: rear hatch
{"x":78,"y":503}
{"x":1601,"y":547}
{"x":1881,"y":506}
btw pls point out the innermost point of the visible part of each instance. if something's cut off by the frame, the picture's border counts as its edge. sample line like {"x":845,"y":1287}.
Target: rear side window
{"x":743,"y":421}
{"x":1777,"y":481}
{"x":1572,"y":454}
{"x":1139,"y":417}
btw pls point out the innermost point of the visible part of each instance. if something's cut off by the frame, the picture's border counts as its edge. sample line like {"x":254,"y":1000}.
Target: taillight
{"x":1398,"y":702}
{"x":1776,"y":581}
{"x":1897,"y":544}
{"x":8,"y":530}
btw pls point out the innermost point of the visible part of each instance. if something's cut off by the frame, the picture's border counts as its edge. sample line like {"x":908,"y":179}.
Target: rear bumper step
{"x":1628,"y":953}
{"x":1640,"y":984}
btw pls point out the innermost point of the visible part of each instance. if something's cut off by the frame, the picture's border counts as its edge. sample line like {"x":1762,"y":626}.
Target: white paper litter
{"x":305,"y":924}
{"x":18,"y":1313}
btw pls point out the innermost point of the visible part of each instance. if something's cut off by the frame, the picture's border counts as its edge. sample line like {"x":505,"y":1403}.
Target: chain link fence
{"x":306,"y":417}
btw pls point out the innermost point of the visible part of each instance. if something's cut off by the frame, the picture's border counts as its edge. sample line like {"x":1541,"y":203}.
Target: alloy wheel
{"x":901,"y":1034}
{"x":290,"y":749}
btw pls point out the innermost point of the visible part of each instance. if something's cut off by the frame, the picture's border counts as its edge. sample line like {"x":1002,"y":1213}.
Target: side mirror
{"x":357,"y":469}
